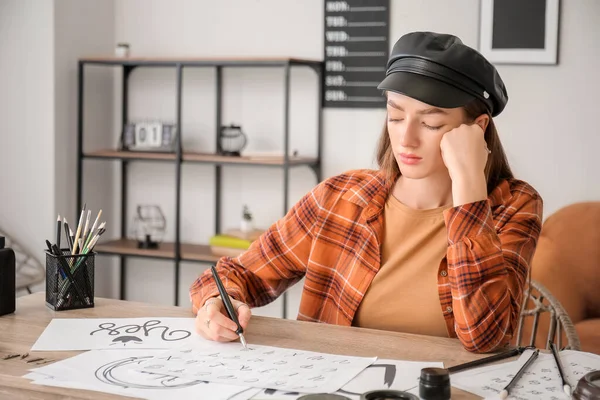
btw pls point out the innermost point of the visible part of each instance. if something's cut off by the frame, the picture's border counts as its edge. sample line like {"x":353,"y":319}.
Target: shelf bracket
{"x":128,"y":69}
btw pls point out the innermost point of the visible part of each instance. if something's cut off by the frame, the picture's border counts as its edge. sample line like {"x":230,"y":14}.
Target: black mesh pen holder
{"x":69,"y":280}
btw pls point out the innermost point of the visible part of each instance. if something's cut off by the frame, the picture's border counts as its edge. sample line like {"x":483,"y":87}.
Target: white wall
{"x":81,"y":28}
{"x":546,"y":128}
{"x":27,"y":204}
{"x":40,"y":42}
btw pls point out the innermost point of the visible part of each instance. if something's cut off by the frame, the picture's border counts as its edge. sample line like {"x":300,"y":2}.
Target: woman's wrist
{"x":469,"y":189}
{"x":211,"y":300}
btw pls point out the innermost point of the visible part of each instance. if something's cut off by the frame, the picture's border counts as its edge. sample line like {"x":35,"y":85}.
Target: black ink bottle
{"x":588,"y":387}
{"x":434,"y":384}
{"x":7,"y":279}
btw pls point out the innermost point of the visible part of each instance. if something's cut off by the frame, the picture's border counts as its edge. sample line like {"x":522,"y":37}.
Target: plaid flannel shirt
{"x":333,"y":237}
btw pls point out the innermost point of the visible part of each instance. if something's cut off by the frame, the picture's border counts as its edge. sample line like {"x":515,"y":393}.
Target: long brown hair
{"x":496,"y":169}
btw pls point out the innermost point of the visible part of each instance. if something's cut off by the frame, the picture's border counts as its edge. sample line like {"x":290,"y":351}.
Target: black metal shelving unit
{"x":177,"y":251}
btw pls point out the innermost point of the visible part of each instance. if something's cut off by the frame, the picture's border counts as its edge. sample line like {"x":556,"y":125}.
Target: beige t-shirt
{"x":404,"y":295}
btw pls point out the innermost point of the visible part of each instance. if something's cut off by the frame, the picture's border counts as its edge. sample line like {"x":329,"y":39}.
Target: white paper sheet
{"x":540,"y":381}
{"x":111,"y":372}
{"x":116,"y":333}
{"x":33,"y":376}
{"x":260,"y":366}
{"x":383,"y":374}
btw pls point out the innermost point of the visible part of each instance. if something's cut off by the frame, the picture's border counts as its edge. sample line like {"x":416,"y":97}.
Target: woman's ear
{"x":483,"y":120}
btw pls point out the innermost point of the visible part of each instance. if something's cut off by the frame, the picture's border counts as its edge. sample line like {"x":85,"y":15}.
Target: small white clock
{"x":149,"y":136}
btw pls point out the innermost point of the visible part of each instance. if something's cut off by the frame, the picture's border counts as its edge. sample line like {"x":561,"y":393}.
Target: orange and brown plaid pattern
{"x":332,"y":237}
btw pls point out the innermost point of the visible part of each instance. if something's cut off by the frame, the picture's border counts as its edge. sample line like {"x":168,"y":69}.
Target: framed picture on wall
{"x":520,"y":31}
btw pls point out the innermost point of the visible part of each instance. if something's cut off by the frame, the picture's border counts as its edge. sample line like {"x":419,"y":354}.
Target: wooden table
{"x":19,"y":331}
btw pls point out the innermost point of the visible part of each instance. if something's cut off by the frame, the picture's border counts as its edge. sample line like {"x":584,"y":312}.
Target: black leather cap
{"x":438,"y":69}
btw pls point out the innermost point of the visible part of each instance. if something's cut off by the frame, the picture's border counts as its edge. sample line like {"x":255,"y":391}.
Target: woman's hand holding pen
{"x":213,"y":323}
{"x":465,"y":154}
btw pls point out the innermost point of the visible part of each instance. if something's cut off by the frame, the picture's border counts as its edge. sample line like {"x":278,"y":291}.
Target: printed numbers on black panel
{"x":337,"y":6}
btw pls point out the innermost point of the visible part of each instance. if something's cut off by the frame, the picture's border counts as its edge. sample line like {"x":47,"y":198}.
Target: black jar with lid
{"x":434,"y":384}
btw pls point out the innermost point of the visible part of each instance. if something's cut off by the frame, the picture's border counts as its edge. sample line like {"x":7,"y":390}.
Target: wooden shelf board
{"x":199,"y":157}
{"x":259,"y":160}
{"x":166,"y":250}
{"x":117,"y":154}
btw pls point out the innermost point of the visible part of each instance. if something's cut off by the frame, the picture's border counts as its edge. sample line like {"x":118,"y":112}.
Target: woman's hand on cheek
{"x":465,"y":154}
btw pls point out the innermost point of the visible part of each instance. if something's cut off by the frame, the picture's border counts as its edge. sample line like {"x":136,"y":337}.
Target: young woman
{"x":437,"y":241}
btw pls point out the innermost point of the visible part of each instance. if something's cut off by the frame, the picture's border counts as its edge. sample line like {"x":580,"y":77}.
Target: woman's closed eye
{"x":390,"y":119}
{"x":433,"y":128}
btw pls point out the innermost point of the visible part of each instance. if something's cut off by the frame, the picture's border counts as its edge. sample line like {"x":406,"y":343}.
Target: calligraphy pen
{"x":504,"y":392}
{"x":566,"y":386}
{"x":486,"y":360}
{"x":229,"y":307}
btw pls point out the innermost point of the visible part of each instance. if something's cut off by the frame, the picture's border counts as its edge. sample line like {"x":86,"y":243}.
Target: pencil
{"x":58,"y":235}
{"x":566,"y":386}
{"x":90,"y":245}
{"x":504,"y":392}
{"x":91,"y":234}
{"x":87,"y":225}
{"x":76,"y":240}
{"x":67,"y":235}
